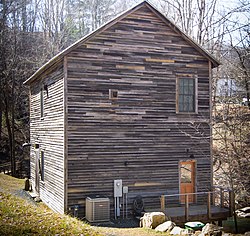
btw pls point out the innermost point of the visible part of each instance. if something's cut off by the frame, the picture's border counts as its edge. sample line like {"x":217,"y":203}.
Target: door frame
{"x":194,"y":162}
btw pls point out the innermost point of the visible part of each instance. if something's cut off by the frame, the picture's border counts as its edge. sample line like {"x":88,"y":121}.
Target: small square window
{"x":113,"y":94}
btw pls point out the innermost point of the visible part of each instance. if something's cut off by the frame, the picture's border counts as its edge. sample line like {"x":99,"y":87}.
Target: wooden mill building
{"x":130,"y":101}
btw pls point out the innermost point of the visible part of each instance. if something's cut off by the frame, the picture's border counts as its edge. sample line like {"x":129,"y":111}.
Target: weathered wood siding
{"x":138,"y":137}
{"x":48,"y":132}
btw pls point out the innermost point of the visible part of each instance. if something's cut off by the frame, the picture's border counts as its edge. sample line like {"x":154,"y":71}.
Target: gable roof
{"x":59,"y":57}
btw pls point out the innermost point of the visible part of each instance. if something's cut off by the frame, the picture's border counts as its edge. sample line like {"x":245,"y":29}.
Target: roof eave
{"x":60,"y":55}
{"x":209,"y":56}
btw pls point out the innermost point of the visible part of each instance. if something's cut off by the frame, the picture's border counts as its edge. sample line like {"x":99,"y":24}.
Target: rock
{"x":152,"y":220}
{"x":245,"y":209}
{"x":243,"y":215}
{"x":37,"y":199}
{"x":176,"y":230}
{"x":197,"y":233}
{"x":217,"y":233}
{"x":186,"y":232}
{"x":166,"y":226}
{"x":210,"y":229}
{"x":243,"y":212}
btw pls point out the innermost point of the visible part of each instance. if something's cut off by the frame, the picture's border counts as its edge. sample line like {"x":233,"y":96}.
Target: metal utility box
{"x":118,"y":188}
{"x":97,"y":209}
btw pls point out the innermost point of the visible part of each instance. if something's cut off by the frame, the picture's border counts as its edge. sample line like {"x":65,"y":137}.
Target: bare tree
{"x":231,"y":119}
{"x":232,"y":150}
{"x":15,"y":64}
{"x":242,"y":64}
{"x":195,"y":17}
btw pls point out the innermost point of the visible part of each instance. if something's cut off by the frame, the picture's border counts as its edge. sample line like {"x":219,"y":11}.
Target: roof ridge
{"x":108,"y":24}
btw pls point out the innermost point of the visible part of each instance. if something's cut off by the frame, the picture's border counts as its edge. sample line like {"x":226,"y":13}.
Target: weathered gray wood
{"x":48,"y":132}
{"x":140,"y":59}
{"x":162,"y":203}
{"x":65,"y":114}
{"x":196,"y":213}
{"x":209,"y":205}
{"x":186,"y":207}
{"x":90,"y":140}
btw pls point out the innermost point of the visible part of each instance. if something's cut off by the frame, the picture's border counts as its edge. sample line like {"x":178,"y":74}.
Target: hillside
{"x":20,"y":215}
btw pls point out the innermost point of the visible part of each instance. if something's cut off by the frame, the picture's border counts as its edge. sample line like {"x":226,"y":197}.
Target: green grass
{"x":10,"y":184}
{"x":243,"y":225}
{"x":19,"y":217}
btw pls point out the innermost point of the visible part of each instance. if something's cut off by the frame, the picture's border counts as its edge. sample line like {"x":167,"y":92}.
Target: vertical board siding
{"x":48,"y":132}
{"x":137,"y":137}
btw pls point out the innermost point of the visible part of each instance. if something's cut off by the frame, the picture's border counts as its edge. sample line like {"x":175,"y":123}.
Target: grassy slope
{"x":243,"y":225}
{"x":19,"y":216}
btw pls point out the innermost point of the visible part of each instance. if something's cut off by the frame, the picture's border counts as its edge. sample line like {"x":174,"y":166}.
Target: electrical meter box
{"x":125,"y":189}
{"x":118,"y":188}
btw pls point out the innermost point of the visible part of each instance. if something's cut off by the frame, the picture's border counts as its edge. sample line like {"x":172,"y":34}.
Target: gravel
{"x":23,"y":194}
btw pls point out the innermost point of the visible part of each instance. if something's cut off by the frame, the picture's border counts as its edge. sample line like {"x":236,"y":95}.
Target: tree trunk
{"x":8,"y":125}
{"x":13,"y":127}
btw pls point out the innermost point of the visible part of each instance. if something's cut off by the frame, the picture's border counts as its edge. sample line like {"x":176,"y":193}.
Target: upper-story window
{"x":41,"y":103}
{"x":186,"y":95}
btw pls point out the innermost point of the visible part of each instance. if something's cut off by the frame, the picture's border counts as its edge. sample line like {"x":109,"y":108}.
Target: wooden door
{"x":37,"y":172}
{"x":187,"y":180}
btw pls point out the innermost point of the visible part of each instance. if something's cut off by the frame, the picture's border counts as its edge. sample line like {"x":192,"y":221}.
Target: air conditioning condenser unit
{"x":97,"y":209}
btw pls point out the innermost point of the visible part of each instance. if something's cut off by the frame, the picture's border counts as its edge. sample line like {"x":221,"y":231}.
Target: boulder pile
{"x":158,"y":221}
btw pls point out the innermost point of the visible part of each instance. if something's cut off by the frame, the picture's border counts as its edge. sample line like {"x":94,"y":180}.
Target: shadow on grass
{"x":122,"y":223}
{"x":243,"y":225}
